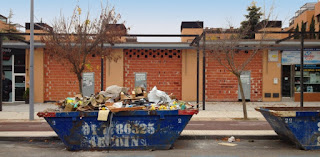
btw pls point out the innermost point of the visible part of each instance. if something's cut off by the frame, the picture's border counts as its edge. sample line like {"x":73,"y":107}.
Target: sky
{"x":155,"y":16}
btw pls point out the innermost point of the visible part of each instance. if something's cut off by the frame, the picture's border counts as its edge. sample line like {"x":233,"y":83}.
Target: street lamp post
{"x":31,"y":85}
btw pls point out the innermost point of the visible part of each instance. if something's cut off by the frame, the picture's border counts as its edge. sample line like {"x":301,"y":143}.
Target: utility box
{"x":246,"y":85}
{"x":88,"y":83}
{"x":140,"y":80}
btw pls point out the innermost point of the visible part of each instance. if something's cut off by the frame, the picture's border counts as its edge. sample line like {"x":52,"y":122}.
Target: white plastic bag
{"x":117,"y":105}
{"x":158,"y":96}
{"x":231,"y":139}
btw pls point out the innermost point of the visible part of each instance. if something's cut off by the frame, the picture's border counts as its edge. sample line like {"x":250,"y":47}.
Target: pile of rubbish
{"x":116,"y":98}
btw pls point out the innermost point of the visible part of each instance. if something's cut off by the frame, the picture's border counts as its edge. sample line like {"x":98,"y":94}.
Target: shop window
{"x":311,"y":78}
{"x":19,"y":63}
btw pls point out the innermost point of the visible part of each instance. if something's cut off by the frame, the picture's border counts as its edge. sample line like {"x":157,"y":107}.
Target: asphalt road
{"x":182,"y":148}
{"x":193,"y":125}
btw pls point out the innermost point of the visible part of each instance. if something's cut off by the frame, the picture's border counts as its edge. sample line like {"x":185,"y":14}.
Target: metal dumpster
{"x":123,"y":130}
{"x":300,"y":125}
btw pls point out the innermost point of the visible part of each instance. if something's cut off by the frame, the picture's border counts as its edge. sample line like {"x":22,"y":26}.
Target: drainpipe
{"x":301,"y":69}
{"x":198,"y":49}
{"x":204,"y":73}
{"x":102,"y":72}
{"x":1,"y":59}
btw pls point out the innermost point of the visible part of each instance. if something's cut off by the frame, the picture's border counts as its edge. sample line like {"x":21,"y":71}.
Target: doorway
{"x":19,"y":77}
{"x":286,"y":81}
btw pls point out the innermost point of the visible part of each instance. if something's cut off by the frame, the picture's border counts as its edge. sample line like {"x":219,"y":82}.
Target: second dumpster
{"x":300,"y":125}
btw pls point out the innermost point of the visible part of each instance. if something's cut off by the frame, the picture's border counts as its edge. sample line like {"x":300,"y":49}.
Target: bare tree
{"x":226,"y":44}
{"x":72,"y":40}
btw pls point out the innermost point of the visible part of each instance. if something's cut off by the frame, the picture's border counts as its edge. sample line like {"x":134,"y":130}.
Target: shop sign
{"x":273,"y":56}
{"x":7,"y":53}
{"x":308,"y":67}
{"x":293,"y":57}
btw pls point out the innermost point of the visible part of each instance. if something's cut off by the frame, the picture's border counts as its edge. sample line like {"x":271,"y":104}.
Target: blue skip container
{"x":123,"y":130}
{"x":300,"y":125}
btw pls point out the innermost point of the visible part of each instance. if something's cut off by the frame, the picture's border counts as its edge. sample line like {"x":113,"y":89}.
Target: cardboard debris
{"x":99,"y":99}
{"x":68,"y":108}
{"x":125,"y":96}
{"x":78,"y":96}
{"x":116,"y":99}
{"x":228,"y":144}
{"x":134,"y":96}
{"x":85,"y":108}
{"x":138,"y":90}
{"x":172,"y":96}
{"x":103,"y":115}
{"x":113,"y":109}
{"x":108,"y":104}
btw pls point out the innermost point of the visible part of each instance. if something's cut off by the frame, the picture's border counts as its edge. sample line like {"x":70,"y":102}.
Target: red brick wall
{"x":221,"y":85}
{"x":60,"y":82}
{"x":163,"y":68}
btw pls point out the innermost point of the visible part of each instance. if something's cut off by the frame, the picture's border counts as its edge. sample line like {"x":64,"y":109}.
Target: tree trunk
{"x":244,"y":106}
{"x":80,"y":82}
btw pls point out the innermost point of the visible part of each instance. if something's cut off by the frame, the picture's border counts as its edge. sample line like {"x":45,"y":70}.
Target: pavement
{"x":218,"y":120}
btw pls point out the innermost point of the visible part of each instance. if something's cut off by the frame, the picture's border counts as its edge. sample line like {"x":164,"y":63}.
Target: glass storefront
{"x":14,"y":75}
{"x":7,"y":68}
{"x":291,"y":71}
{"x":311,"y":78}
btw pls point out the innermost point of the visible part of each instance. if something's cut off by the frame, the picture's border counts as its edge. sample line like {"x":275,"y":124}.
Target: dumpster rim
{"x":277,"y":113}
{"x":83,"y":113}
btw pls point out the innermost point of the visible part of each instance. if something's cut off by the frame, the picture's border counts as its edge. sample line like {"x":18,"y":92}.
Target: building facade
{"x":270,"y":76}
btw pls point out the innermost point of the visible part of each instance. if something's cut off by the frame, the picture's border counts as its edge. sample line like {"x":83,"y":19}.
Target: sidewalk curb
{"x":220,"y":137}
{"x":51,"y":138}
{"x":182,"y":137}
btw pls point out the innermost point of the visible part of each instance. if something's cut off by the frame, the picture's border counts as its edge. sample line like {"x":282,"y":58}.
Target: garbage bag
{"x":158,"y":96}
{"x":113,"y":91}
